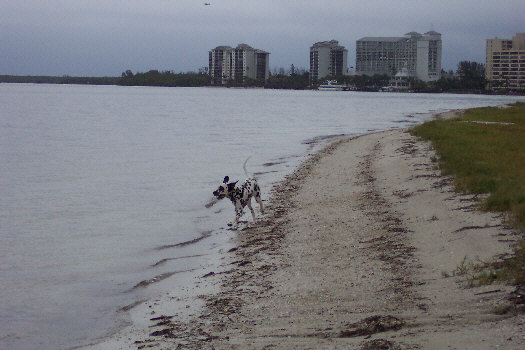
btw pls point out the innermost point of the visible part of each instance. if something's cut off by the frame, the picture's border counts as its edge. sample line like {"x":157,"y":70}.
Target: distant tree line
{"x":66,"y":79}
{"x":468,"y":78}
{"x":295,"y":81}
{"x":166,"y":78}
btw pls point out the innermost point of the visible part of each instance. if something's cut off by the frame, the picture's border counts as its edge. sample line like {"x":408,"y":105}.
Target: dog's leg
{"x":259,"y":200}
{"x":238,"y":214}
{"x":249,"y":204}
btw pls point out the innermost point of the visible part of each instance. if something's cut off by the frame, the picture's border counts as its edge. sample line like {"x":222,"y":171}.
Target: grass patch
{"x":480,"y":273}
{"x":477,"y":273}
{"x":484,"y":150}
{"x":513,"y":269}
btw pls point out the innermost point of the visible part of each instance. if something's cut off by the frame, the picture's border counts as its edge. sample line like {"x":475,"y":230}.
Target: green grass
{"x":484,"y":158}
{"x":484,"y":149}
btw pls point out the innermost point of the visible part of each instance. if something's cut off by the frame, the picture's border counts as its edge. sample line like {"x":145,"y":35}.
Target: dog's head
{"x":225,"y":188}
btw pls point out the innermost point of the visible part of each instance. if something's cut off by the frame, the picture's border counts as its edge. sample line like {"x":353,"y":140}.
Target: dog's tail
{"x":244,"y":166}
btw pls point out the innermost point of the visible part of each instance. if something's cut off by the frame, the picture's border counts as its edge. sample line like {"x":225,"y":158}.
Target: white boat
{"x":331,"y":85}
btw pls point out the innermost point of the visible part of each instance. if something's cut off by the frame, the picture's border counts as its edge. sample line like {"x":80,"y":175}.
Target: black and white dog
{"x":240,"y":196}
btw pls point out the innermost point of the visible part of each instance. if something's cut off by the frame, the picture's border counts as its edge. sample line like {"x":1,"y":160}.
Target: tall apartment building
{"x":506,"y":62}
{"x":227,"y":63}
{"x":419,"y":53}
{"x":327,"y":58}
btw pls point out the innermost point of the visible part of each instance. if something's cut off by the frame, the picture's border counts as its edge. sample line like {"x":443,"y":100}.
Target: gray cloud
{"x":107,"y":37}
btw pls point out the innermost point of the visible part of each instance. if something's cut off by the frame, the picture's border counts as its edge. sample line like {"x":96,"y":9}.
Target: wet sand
{"x":357,"y":250}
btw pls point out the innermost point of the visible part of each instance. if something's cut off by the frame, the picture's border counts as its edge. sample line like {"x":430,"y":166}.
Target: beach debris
{"x":517,"y":296}
{"x":224,"y":306}
{"x":155,"y":279}
{"x":132,"y":305}
{"x":371,"y":325}
{"x":380,"y":344}
{"x":168,"y":333}
{"x":204,"y":234}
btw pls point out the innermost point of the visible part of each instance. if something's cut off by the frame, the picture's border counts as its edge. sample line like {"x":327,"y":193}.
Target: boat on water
{"x":331,"y":85}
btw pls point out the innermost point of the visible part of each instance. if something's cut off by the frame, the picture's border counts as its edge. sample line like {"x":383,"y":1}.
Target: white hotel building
{"x":237,"y":64}
{"x":419,"y":53}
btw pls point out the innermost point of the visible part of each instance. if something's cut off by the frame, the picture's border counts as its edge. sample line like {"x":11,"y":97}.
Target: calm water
{"x":101,"y":183}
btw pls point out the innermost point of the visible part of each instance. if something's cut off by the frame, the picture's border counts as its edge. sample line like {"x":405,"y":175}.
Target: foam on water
{"x":104,"y":188}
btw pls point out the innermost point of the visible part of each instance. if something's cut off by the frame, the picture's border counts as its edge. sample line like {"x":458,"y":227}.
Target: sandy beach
{"x":360,"y":248}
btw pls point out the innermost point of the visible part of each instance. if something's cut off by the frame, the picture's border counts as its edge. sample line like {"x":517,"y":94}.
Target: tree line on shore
{"x":469,"y":77}
{"x":65,"y":79}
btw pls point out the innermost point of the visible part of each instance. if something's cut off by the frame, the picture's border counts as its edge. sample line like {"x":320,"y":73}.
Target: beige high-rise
{"x":238,"y":64}
{"x":505,"y":66}
{"x":327,"y":58}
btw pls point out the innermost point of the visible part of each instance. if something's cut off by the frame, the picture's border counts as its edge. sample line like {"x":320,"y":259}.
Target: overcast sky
{"x":107,"y":37}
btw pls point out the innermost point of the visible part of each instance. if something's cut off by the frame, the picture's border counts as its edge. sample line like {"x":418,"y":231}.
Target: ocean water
{"x":103,"y":188}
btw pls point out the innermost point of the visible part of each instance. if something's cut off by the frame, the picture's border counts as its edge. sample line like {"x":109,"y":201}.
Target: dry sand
{"x":357,"y":251}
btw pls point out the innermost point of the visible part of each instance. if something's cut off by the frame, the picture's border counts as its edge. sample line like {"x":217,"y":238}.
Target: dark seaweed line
{"x":204,"y":235}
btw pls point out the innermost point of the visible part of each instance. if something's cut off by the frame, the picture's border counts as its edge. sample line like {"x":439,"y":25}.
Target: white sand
{"x":365,"y":228}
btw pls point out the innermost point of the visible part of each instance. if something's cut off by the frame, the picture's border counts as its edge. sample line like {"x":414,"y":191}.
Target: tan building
{"x":238,"y":64}
{"x":505,"y":66}
{"x":327,"y":58}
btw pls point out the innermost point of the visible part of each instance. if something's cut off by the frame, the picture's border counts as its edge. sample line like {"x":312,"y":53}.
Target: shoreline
{"x":363,"y":235}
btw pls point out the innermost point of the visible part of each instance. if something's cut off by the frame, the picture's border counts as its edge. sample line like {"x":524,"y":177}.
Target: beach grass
{"x":484,"y":150}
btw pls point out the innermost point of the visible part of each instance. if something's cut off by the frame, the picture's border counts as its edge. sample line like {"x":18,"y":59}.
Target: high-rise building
{"x":506,"y":62}
{"x":220,"y":64}
{"x":238,"y":64}
{"x":327,"y":58}
{"x":419,"y":53}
